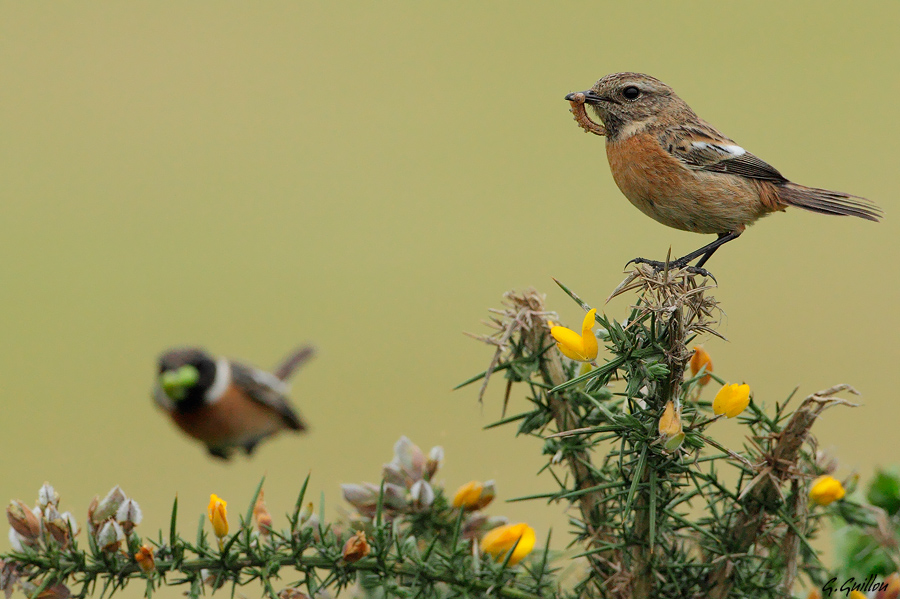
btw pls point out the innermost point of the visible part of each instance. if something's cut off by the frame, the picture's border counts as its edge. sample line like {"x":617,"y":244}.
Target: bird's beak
{"x":590,"y":97}
{"x":176,"y":382}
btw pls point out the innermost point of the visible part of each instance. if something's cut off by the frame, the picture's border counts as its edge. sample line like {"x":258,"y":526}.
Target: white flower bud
{"x":422,"y":494}
{"x":108,"y":507}
{"x":129,"y":514}
{"x":47,"y":495}
{"x":110,"y":536}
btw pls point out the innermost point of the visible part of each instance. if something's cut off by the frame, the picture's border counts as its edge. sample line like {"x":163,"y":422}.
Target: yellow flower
{"x":826,"y":489}
{"x":500,"y":540}
{"x":670,"y":426}
{"x":218,"y":516}
{"x":698,"y":361}
{"x":857,"y":595}
{"x":474,"y":496}
{"x":583,"y":347}
{"x":731,"y":400}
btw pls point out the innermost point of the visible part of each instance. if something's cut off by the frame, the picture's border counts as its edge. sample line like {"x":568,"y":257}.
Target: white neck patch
{"x":634,"y":127}
{"x":220,"y":383}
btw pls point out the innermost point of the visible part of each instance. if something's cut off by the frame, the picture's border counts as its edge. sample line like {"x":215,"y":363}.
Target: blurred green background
{"x":371,"y":178}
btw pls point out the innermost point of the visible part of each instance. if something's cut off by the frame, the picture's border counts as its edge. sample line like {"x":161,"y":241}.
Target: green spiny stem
{"x":301,"y":563}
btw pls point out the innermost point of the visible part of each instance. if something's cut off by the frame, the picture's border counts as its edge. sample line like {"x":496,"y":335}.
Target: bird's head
{"x":630,"y":102}
{"x":185,"y":375}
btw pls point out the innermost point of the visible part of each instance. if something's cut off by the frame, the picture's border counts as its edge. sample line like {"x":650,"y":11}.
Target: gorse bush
{"x":658,"y":507}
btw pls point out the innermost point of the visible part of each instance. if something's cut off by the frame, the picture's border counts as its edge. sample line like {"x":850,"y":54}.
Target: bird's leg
{"x":219,"y":452}
{"x":703,"y":253}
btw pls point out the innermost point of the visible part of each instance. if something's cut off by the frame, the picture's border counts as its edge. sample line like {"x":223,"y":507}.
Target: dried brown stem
{"x":779,"y":465}
{"x":527,"y":316}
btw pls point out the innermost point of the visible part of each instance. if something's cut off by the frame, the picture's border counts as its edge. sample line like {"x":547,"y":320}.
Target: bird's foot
{"x":674,"y":264}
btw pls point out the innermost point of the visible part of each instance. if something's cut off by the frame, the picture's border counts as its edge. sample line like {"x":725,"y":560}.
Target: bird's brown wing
{"x":700,"y":147}
{"x":268,"y":390}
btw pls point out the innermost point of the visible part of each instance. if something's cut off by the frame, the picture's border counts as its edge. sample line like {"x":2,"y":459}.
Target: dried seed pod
{"x":355,"y":548}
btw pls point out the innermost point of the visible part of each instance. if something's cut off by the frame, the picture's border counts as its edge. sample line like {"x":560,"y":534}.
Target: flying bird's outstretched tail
{"x":293,"y":361}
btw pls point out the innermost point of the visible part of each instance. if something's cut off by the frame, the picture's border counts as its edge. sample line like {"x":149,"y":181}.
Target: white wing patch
{"x":732,"y":150}
{"x":220,"y":382}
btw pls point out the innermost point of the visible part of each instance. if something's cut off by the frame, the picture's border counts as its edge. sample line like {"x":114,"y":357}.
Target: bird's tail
{"x":828,"y":202}
{"x":293,"y":361}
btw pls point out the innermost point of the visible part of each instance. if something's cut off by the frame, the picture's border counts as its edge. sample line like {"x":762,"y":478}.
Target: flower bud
{"x":218,"y":516}
{"x":262,"y":516}
{"x":701,"y":360}
{"x":23,"y":520}
{"x":110,"y":536}
{"x":393,"y":473}
{"x":47,"y":495}
{"x":355,"y":548}
{"x":435,"y":461}
{"x":109,"y":505}
{"x":421,"y":495}
{"x":312,"y":523}
{"x":474,"y":495}
{"x":670,"y":427}
{"x":410,"y":458}
{"x":145,"y":560}
{"x":129,"y":515}
{"x":60,"y":526}
{"x":17,"y":541}
{"x":826,"y":489}
{"x":394,"y":497}
{"x":305,"y":513}
{"x":360,"y":495}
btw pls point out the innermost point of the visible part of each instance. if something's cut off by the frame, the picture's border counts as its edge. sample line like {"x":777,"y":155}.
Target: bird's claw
{"x":675,"y":264}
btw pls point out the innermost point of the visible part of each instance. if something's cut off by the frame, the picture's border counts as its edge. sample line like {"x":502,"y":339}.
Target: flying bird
{"x":227,"y":404}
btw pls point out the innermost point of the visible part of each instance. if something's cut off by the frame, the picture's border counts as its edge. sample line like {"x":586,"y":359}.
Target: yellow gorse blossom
{"x":583,"y":347}
{"x":474,"y":495}
{"x":500,"y":540}
{"x":218,"y":516}
{"x":670,"y":426}
{"x":699,"y":360}
{"x":826,"y":489}
{"x":731,"y":400}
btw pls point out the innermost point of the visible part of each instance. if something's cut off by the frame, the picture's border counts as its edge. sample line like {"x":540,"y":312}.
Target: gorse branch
{"x":406,"y":539}
{"x":658,"y":515}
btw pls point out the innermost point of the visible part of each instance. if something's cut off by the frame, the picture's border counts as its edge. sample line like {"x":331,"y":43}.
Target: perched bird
{"x":681,"y":171}
{"x":226,"y":404}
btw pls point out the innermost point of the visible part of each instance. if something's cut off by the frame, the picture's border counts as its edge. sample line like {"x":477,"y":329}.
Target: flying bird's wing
{"x":268,"y":390}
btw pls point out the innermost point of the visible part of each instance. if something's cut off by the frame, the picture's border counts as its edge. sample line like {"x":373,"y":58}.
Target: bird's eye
{"x":631,"y":92}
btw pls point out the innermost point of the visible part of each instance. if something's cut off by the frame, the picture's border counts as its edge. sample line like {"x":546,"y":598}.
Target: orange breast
{"x":231,"y":421}
{"x":661,"y":187}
